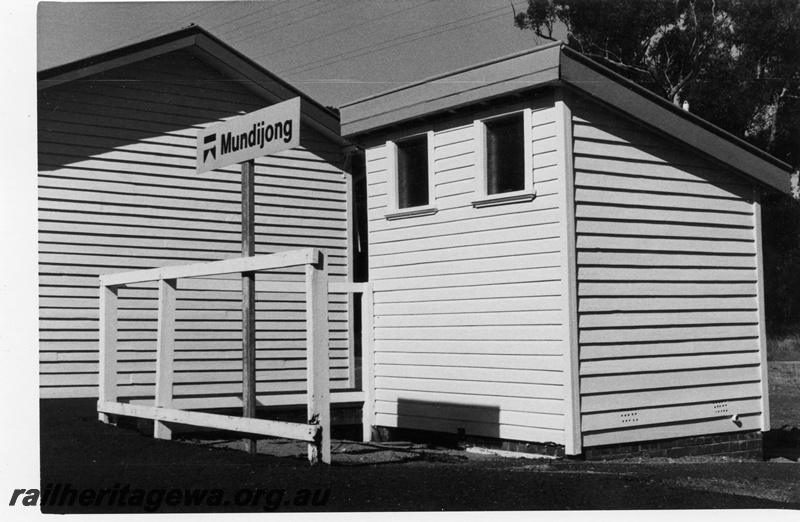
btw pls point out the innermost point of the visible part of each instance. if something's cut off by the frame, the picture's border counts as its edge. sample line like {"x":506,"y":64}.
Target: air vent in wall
{"x":629,"y":418}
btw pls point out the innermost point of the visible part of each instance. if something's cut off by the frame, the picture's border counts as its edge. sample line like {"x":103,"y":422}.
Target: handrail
{"x":316,"y":432}
{"x":291,"y":258}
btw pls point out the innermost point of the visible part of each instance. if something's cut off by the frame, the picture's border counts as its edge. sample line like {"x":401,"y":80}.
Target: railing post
{"x":319,"y":408}
{"x":367,"y":362}
{"x":107,"y":390}
{"x":165,"y":352}
{"x":351,"y":344}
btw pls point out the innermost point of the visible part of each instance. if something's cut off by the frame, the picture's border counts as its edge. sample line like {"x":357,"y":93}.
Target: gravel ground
{"x":77,"y":449}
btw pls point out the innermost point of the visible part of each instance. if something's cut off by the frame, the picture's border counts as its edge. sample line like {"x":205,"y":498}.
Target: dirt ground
{"x":79,"y":450}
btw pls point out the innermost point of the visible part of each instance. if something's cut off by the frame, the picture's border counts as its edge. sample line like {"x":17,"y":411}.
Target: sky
{"x":336,"y":51}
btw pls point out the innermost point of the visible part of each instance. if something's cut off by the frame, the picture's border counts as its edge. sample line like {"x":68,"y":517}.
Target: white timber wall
{"x":667,"y":286}
{"x":118,"y":192}
{"x":470,"y":302}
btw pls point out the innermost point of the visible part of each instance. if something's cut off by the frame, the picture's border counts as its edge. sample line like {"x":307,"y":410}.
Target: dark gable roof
{"x":215,"y":53}
{"x":556,"y":64}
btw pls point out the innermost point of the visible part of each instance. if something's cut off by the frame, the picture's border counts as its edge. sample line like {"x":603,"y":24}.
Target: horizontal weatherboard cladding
{"x":667,"y":273}
{"x":118,"y":191}
{"x":470,"y":302}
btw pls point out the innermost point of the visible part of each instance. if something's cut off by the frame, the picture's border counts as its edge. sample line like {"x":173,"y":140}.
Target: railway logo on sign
{"x":260,"y":133}
{"x":211,"y":138}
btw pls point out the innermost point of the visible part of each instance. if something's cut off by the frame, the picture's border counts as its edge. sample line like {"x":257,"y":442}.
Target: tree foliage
{"x":781,"y":240}
{"x":767,"y":45}
{"x":737,"y":64}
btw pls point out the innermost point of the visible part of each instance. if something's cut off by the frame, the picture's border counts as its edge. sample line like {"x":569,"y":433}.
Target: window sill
{"x":504,"y":199}
{"x":427,"y":210}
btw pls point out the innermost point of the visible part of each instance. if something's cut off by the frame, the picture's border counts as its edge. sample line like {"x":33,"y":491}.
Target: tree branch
{"x":617,"y":63}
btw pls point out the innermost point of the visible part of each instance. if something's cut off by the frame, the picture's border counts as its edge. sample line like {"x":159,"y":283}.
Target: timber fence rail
{"x":316,"y":432}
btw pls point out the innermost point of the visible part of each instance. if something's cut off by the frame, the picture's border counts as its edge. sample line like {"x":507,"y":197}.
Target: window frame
{"x":528,"y":193}
{"x":394,"y":211}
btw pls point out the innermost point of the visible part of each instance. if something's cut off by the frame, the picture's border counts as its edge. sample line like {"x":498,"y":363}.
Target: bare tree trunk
{"x":773,"y":125}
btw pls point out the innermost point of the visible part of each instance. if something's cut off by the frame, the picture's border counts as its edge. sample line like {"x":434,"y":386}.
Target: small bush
{"x":783,"y":347}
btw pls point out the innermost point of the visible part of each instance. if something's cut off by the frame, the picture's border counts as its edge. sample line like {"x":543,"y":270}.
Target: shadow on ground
{"x":78,"y":450}
{"x":782,"y":443}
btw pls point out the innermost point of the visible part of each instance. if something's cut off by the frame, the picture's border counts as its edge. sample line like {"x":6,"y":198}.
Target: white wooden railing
{"x":316,"y":432}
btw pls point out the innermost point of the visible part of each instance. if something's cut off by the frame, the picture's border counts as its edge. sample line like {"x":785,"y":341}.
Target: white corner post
{"x":572,"y":403}
{"x":319,"y":398}
{"x":762,"y":323}
{"x":367,"y":362}
{"x":108,"y":347}
{"x":165,"y":352}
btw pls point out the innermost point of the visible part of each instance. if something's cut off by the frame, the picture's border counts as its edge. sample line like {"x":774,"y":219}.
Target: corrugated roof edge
{"x":697,"y":120}
{"x":452,"y":73}
{"x":645,"y":95}
{"x":192,"y":30}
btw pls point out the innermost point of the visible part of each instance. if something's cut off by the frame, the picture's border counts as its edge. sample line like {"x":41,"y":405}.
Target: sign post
{"x":249,"y":298}
{"x":242,"y":140}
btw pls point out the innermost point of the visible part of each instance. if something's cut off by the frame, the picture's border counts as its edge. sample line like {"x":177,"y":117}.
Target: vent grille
{"x":629,"y":418}
{"x":720,"y":407}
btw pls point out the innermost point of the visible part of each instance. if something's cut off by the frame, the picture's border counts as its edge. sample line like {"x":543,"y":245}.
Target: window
{"x":411,"y":176}
{"x":505,"y":154}
{"x":412,"y":172}
{"x":504,"y":159}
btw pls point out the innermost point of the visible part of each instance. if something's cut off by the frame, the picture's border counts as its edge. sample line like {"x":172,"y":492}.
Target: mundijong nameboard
{"x":260,"y":133}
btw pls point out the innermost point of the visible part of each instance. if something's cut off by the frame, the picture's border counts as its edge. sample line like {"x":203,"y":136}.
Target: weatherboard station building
{"x":119,"y":190}
{"x":559,"y":257}
{"x":559,"y":261}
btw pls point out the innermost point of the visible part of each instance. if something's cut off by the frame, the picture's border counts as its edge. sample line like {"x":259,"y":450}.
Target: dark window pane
{"x":412,"y":172}
{"x":505,"y":154}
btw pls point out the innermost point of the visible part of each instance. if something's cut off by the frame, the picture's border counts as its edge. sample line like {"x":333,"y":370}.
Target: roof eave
{"x":557,"y":64}
{"x":119,"y":57}
{"x":482,"y":82}
{"x":214,"y":52}
{"x":624,"y":95}
{"x":226,"y":59}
